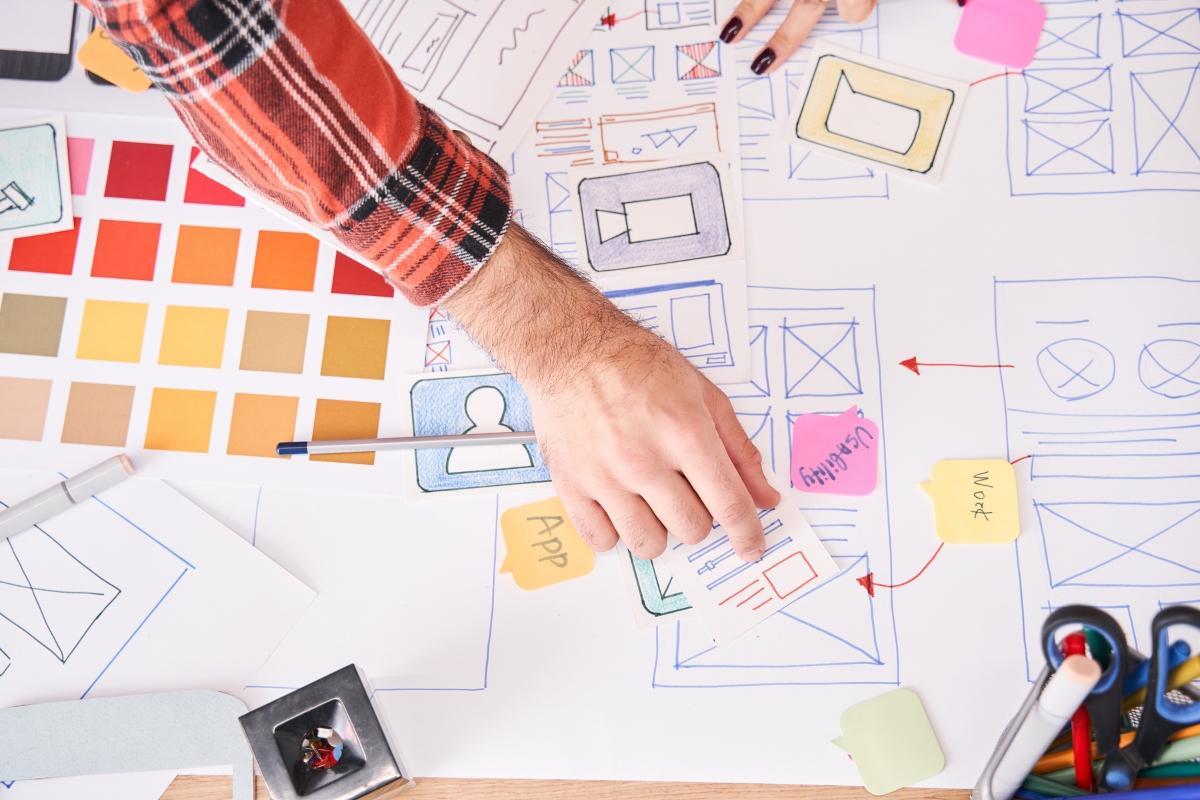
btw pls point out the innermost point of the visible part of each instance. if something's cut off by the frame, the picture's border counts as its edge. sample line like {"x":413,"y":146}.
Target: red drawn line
{"x":1022,"y":458}
{"x":751,"y":597}
{"x":739,"y":591}
{"x":612,"y":19}
{"x":915,"y":366}
{"x":763,"y":603}
{"x":914,"y":577}
{"x":997,"y":75}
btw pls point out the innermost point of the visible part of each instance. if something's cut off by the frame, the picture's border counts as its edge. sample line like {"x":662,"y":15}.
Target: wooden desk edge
{"x":220,"y":787}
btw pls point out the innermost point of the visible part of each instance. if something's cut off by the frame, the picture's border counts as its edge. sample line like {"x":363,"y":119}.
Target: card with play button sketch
{"x":877,"y":114}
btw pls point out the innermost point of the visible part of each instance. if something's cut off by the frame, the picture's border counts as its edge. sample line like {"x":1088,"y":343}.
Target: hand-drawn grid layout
{"x":1111,"y":102}
{"x":1105,"y":399}
{"x":774,"y":170}
{"x":814,"y":351}
{"x":56,"y":588}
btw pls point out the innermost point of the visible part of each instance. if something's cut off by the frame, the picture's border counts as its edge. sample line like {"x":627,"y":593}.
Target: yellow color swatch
{"x":975,"y":501}
{"x":193,"y":337}
{"x":112,"y":331}
{"x":543,"y":547}
{"x":180,"y":419}
{"x":261,"y":421}
{"x":100,"y":56}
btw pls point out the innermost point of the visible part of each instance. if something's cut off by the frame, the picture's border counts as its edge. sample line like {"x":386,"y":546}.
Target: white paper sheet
{"x":42,"y":27}
{"x":136,"y":590}
{"x":35,"y":179}
{"x":118,"y":786}
{"x":485,"y":67}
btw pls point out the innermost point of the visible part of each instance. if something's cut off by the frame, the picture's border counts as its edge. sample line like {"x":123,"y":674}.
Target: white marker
{"x":61,"y":496}
{"x":1067,"y":689}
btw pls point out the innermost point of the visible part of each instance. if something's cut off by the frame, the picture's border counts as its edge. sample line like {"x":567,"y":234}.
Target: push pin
{"x":325,"y":741}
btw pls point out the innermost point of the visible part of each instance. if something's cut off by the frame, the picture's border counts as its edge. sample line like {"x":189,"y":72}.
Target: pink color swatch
{"x":79,"y":158}
{"x":835,"y":455}
{"x":1005,"y":32}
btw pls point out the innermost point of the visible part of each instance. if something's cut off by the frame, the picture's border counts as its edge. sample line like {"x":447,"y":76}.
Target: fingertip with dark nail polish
{"x":762,"y":61}
{"x":731,"y":30}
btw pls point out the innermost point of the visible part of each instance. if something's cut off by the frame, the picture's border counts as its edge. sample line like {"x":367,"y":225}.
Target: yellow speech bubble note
{"x":891,"y":741}
{"x":100,"y":56}
{"x":543,"y":547}
{"x":975,"y":501}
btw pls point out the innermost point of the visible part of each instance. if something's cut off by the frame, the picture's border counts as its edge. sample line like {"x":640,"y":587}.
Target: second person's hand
{"x":792,"y":32}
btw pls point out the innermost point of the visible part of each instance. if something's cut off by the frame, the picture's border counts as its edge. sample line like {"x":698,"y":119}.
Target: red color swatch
{"x":52,"y":253}
{"x":351,"y":277}
{"x":203,"y":189}
{"x":126,"y":250}
{"x":139,"y":171}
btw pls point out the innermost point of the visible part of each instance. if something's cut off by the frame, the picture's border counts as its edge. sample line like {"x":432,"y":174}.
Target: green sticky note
{"x":891,"y":742}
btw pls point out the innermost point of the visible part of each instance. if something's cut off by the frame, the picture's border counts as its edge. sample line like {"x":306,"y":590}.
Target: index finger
{"x":716,"y":481}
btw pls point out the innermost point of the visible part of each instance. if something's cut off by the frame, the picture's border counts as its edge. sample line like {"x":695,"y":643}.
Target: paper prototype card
{"x":472,"y":401}
{"x":732,"y":596}
{"x":654,"y":596}
{"x":35,"y":179}
{"x":878,"y":114}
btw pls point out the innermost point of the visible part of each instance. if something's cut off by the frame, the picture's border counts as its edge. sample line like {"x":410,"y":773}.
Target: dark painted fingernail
{"x":763,"y":60}
{"x":731,"y":29}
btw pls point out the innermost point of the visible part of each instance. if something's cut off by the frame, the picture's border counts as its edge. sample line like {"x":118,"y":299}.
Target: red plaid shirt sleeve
{"x":291,"y":96}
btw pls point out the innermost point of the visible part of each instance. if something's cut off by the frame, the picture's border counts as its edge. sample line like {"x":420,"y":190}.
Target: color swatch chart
{"x":192,"y":329}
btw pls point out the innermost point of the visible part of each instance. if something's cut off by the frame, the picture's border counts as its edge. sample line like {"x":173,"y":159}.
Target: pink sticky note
{"x":835,"y":455}
{"x":1005,"y":32}
{"x":79,"y":159}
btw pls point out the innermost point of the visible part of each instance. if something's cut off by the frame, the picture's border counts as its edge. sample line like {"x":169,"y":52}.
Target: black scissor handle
{"x":1104,"y":703}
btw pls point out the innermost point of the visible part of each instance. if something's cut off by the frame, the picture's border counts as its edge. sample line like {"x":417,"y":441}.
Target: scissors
{"x":1104,"y":702}
{"x":1160,"y":716}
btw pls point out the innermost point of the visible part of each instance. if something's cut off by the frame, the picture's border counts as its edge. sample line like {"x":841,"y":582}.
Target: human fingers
{"x":855,"y":10}
{"x":641,"y":531}
{"x":746,"y":458}
{"x":711,"y":473}
{"x":792,"y":32}
{"x":677,"y":506}
{"x":590,"y":522}
{"x":744,"y":17}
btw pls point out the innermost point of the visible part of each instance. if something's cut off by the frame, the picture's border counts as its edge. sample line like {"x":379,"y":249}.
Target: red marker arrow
{"x":868,"y":580}
{"x":915,"y":365}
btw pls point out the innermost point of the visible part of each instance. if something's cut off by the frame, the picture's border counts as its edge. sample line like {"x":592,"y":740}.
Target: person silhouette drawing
{"x":485,"y":407}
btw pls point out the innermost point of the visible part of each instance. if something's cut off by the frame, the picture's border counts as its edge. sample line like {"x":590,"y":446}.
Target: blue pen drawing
{"x":691,"y":316}
{"x":1111,"y":103}
{"x":653,"y":216}
{"x":697,"y":61}
{"x":632,"y":64}
{"x":558,"y":218}
{"x":661,"y":134}
{"x":777,"y":171}
{"x":1104,"y":399}
{"x":836,"y":632}
{"x":451,"y":405}
{"x":30,"y":177}
{"x":413,"y":36}
{"x":675,"y":14}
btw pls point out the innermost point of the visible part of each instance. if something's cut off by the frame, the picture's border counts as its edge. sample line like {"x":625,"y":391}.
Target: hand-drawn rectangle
{"x":668,"y":15}
{"x":689,"y":315}
{"x":658,"y":135}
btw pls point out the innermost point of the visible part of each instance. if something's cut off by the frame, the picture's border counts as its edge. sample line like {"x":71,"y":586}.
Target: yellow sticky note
{"x":891,"y":741}
{"x":100,"y":56}
{"x":975,"y":501}
{"x":543,"y":547}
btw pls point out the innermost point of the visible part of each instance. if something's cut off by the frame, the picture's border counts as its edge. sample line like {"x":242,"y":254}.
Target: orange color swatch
{"x":261,"y":421}
{"x":346,"y":419}
{"x":285,"y":261}
{"x":206,"y":255}
{"x":126,"y":250}
{"x":180,"y":419}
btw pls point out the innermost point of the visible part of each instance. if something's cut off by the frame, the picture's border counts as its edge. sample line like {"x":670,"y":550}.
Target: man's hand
{"x":638,"y":441}
{"x":799,"y":22}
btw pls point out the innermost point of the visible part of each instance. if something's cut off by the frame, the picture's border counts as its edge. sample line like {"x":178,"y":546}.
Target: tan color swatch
{"x":193,"y":337}
{"x":261,"y":421}
{"x":180,"y":419}
{"x":355,"y":347}
{"x":112,"y":331}
{"x":98,"y":413}
{"x":31,"y":324}
{"x":24,"y":402}
{"x":346,"y":419}
{"x":274,"y":342}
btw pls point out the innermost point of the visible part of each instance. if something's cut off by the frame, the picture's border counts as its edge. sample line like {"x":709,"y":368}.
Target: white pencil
{"x":61,"y":496}
{"x":330,"y":446}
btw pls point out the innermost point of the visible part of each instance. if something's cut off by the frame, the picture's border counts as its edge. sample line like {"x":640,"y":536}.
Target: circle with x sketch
{"x":1076,"y":368}
{"x":1170,"y":367}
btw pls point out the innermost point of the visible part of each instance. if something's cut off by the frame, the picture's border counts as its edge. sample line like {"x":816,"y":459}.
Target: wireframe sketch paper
{"x":474,"y":401}
{"x":654,"y":597}
{"x":35,"y":179}
{"x":134,"y":590}
{"x":732,"y":596}
{"x":877,"y":114}
{"x":485,"y":67}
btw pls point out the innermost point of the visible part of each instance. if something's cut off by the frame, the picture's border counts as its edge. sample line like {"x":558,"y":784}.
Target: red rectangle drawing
{"x":659,"y":135}
{"x":790,"y":574}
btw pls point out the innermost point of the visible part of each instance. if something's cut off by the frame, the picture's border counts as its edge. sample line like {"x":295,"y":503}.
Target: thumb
{"x":746,"y":458}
